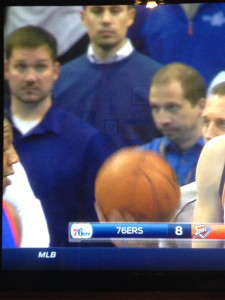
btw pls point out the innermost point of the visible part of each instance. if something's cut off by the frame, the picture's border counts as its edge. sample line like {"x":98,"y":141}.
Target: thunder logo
{"x":201,"y":231}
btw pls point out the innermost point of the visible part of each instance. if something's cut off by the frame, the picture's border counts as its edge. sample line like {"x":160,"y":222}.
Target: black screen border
{"x":114,"y":280}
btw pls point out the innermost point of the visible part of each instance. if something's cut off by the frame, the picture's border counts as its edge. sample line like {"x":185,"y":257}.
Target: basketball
{"x":137,"y":182}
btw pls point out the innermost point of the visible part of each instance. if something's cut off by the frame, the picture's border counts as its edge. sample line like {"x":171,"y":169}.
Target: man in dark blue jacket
{"x":108,"y":87}
{"x":60,"y":153}
{"x":189,"y":33}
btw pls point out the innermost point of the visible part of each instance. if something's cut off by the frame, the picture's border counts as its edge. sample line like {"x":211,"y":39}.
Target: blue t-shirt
{"x":183,"y":163}
{"x":112,"y":97}
{"x":61,"y":157}
{"x":164,"y":34}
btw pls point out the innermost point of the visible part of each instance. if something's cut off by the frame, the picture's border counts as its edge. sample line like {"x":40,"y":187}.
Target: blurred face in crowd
{"x":214,"y":117}
{"x":10,"y":156}
{"x":31,"y":74}
{"x":108,"y":24}
{"x":174,"y":115}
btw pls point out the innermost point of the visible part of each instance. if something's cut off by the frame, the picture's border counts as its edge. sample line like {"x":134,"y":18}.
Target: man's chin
{"x":170,"y":134}
{"x":30,"y":99}
{"x":107,"y":43}
{"x":172,"y":137}
{"x":6,"y":182}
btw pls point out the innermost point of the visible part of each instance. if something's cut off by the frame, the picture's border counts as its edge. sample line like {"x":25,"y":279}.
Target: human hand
{"x":125,"y":217}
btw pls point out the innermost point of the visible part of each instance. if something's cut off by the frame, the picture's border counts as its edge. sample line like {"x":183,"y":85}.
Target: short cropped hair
{"x":31,"y":37}
{"x":192,"y":82}
{"x":128,"y":6}
{"x":219,"y":89}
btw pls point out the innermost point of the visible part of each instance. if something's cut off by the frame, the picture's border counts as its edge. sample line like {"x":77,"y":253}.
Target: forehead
{"x":167,"y":92}
{"x":215,"y":107}
{"x":26,"y":54}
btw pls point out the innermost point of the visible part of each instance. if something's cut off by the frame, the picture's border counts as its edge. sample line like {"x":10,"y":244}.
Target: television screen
{"x":106,"y":111}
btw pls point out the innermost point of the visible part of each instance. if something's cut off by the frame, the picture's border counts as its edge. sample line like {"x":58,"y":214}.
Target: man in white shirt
{"x":210,"y":178}
{"x":20,"y":195}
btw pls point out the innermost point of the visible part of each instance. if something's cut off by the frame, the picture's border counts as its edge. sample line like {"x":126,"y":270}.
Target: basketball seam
{"x":156,"y":203}
{"x":167,"y":178}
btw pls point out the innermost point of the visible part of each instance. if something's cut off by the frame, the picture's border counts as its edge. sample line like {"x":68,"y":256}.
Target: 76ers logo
{"x":81,"y":230}
{"x":201,"y":231}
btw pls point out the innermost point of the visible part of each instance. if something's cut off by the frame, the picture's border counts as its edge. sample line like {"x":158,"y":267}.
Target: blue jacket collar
{"x":168,"y":144}
{"x":50,"y":123}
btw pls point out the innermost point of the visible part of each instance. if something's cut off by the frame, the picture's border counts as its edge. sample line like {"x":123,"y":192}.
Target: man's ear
{"x":132,"y":15}
{"x":56,"y":67}
{"x":82,"y":15}
{"x":202,"y":104}
{"x":6,"y":69}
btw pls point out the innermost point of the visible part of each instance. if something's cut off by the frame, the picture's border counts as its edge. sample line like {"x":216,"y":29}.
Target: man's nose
{"x":106,"y":17}
{"x":31,"y":75}
{"x":162,"y":118}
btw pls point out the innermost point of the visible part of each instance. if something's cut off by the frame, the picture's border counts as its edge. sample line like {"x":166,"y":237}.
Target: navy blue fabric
{"x":181,"y":162}
{"x":111,"y":97}
{"x":61,"y":157}
{"x":162,"y":34}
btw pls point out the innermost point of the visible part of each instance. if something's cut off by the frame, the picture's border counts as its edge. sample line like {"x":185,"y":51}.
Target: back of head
{"x":213,"y":118}
{"x":191,"y":81}
{"x":31,"y":37}
{"x":219,"y":89}
{"x":220,"y":77}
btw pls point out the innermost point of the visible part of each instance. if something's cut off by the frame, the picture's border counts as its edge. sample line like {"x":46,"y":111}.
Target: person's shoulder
{"x":211,"y":161}
{"x":215,"y":146}
{"x":70,"y":65}
{"x":146,"y":61}
{"x":152,"y":144}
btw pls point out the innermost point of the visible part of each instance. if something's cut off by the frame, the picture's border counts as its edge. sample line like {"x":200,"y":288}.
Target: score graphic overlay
{"x":108,"y":231}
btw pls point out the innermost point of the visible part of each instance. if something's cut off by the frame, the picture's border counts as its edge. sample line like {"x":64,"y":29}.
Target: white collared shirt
{"x":122,"y":53}
{"x":24,"y":126}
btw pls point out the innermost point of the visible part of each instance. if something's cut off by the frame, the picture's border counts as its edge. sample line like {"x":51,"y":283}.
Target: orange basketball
{"x":138,"y":182}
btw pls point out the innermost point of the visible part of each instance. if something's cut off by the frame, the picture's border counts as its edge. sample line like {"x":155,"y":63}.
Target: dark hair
{"x":31,"y":37}
{"x":128,"y":6}
{"x":219,"y":89}
{"x":192,"y":82}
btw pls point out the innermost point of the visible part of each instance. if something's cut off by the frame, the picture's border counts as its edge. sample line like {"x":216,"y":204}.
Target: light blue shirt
{"x":182,"y":162}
